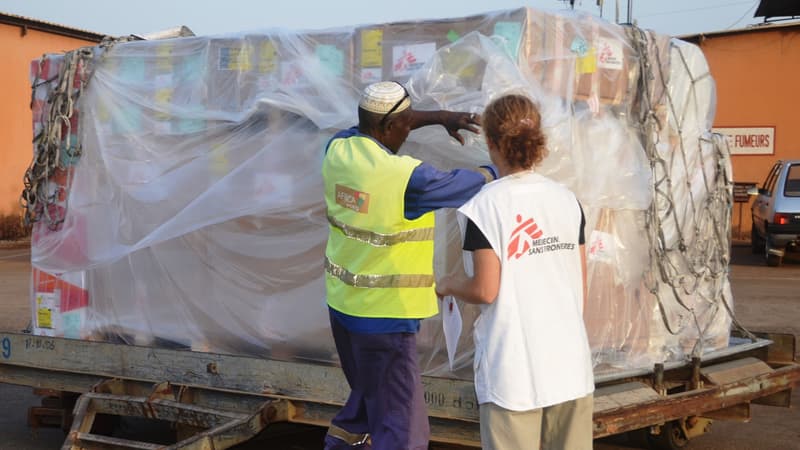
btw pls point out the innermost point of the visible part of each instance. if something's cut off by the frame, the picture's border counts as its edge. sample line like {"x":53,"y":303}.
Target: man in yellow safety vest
{"x":379,"y":263}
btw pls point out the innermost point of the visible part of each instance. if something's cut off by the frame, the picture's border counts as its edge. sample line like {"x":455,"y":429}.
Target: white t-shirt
{"x":531,"y":348}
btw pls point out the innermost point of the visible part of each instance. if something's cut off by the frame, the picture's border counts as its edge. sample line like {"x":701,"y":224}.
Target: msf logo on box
{"x":352,"y":199}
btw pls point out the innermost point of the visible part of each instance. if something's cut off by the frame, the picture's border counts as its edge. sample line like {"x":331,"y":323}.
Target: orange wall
{"x":18,"y":51}
{"x":757,"y":75}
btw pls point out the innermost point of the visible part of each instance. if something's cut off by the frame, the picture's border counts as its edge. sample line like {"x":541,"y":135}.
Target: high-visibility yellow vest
{"x":377,"y":263}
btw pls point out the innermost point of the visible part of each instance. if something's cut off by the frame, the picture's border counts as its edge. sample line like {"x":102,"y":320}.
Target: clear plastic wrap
{"x":195,"y":213}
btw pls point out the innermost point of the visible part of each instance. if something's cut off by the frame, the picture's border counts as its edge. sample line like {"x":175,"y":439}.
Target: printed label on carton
{"x":163,"y":97}
{"x":267,"y":61}
{"x":126,"y":120}
{"x":587,"y":63}
{"x":192,"y":67}
{"x":460,"y":62}
{"x":47,"y":309}
{"x":331,"y":58}
{"x":186,"y":126}
{"x":371,"y":75}
{"x":371,"y":48}
{"x":272,"y":189}
{"x":103,"y":112}
{"x":602,"y":247}
{"x":453,"y":36}
{"x":132,"y":69}
{"x":162,"y":126}
{"x":407,"y":59}
{"x":73,"y":323}
{"x":234,"y":58}
{"x":41,"y":92}
{"x":579,"y":46}
{"x":609,"y":54}
{"x":292,"y":74}
{"x":219,"y":159}
{"x":164,"y":54}
{"x":510,"y":34}
{"x":267,"y":82}
{"x":163,"y":81}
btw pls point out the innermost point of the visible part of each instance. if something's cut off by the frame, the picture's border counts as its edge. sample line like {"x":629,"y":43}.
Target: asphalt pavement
{"x":14,"y":431}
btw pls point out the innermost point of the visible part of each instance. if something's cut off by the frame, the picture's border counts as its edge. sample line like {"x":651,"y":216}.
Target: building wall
{"x":756,"y":73}
{"x":18,"y":50}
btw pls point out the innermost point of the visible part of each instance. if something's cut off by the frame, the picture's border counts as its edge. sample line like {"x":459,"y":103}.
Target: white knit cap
{"x":381,"y":97}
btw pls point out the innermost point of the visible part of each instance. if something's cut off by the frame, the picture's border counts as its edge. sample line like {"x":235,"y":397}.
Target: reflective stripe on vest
{"x":379,"y":239}
{"x":377,"y":281}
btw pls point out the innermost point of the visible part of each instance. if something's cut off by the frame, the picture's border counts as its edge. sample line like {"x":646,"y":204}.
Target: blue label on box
{"x":132,"y":69}
{"x":579,"y":46}
{"x":511,"y":33}
{"x":186,"y":126}
{"x":126,"y":120}
{"x":72,"y":322}
{"x":331,"y":58}
{"x":192,"y":68}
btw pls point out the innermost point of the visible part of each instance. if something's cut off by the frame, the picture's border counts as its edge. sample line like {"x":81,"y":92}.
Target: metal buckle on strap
{"x":377,"y":281}
{"x":380,"y":239}
{"x":349,"y":438}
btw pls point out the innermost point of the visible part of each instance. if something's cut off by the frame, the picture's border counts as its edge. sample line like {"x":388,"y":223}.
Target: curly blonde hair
{"x":513,"y":125}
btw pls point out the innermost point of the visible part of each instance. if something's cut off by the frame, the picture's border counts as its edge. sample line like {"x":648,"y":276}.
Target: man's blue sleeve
{"x":430,"y":188}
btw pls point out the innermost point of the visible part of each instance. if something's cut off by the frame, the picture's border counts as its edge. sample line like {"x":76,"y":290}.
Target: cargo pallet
{"x":224,"y":400}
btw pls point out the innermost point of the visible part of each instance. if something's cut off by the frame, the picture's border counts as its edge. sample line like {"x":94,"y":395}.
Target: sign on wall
{"x":749,"y":141}
{"x":740,"y":188}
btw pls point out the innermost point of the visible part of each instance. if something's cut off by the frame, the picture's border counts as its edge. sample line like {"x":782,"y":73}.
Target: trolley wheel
{"x":670,"y":438}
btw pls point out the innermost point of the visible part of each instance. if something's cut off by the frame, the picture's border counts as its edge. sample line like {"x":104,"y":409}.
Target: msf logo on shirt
{"x":522,"y":236}
{"x":352,"y":199}
{"x":528,"y":239}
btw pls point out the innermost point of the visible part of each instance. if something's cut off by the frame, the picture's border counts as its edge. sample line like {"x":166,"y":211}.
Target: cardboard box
{"x":618,"y":318}
{"x":241,"y":70}
{"x":582,"y":60}
{"x":395,"y":51}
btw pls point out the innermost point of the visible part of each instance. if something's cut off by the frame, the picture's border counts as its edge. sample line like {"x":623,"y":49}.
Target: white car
{"x":776,"y":212}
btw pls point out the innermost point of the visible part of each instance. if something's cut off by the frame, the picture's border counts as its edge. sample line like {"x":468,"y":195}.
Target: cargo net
{"x":58,"y":83}
{"x":688,"y":224}
{"x":195,"y":177}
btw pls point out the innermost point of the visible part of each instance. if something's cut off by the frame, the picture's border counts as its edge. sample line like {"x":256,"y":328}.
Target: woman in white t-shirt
{"x":533,"y":370}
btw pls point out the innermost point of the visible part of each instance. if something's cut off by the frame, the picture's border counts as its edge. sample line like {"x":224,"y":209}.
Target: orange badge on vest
{"x":351,"y":199}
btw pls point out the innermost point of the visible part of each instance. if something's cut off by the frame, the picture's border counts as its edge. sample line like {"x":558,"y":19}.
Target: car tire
{"x":756,"y":241}
{"x":774,"y":260}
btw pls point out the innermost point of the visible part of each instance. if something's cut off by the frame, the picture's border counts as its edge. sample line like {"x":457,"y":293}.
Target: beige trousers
{"x":565,"y":426}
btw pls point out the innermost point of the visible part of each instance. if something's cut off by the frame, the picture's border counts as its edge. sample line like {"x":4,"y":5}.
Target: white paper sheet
{"x":451,"y":322}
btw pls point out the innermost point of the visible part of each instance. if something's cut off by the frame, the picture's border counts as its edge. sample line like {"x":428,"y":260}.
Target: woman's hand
{"x":480,"y":289}
{"x":444,"y":286}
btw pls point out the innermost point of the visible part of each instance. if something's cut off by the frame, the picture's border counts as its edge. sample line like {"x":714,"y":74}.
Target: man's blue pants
{"x":386,"y":398}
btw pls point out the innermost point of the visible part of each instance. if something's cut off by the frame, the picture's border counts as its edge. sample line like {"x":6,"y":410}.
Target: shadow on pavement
{"x":742,"y":255}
